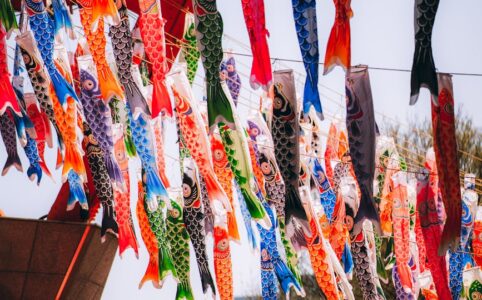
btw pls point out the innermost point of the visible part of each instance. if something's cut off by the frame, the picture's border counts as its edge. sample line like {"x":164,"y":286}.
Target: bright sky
{"x":382,"y":36}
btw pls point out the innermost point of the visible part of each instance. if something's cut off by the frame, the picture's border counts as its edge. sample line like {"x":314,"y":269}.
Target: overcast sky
{"x":382,"y":36}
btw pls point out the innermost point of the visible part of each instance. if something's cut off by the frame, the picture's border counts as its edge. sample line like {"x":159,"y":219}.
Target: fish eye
{"x":222,"y":245}
{"x":278,"y":103}
{"x":88,"y":84}
{"x":186,"y":190}
{"x":266,"y":168}
{"x":26,"y":59}
{"x":218,"y":155}
{"x":174,"y":213}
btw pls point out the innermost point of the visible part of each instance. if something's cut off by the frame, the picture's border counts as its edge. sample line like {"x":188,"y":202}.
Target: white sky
{"x":382,"y":36}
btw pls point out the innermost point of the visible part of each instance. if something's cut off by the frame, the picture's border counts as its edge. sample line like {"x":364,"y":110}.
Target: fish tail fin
{"x":59,"y":160}
{"x":219,"y":106}
{"x":207,"y":280}
{"x":286,"y":277}
{"x":104,"y":9}
{"x":405,"y":275}
{"x":450,"y":236}
{"x":423,"y":75}
{"x":215,"y":191}
{"x":294,"y":209}
{"x":311,"y":95}
{"x":63,"y":89}
{"x":136,"y":100}
{"x":12,"y":160}
{"x":127,"y":238}
{"x":161,"y":102}
{"x":72,"y":161}
{"x":154,"y":185}
{"x":113,"y":169}
{"x":8,"y":16}
{"x":338,"y":48}
{"x":368,"y":211}
{"x":62,"y":18}
{"x":233,"y":227}
{"x":261,"y":68}
{"x":77,"y":193}
{"x":109,"y":224}
{"x":347,"y":259}
{"x":33,"y":171}
{"x":45,"y":168}
{"x":255,"y":208}
{"x":166,"y":265}
{"x":109,"y":85}
{"x":184,"y":291}
{"x":152,"y":272}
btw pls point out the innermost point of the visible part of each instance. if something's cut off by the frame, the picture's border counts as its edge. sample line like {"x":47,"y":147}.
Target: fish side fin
{"x":63,"y":89}
{"x":294,"y":209}
{"x":207,"y":280}
{"x":62,"y":18}
{"x":255,"y":208}
{"x":34,"y":170}
{"x":152,"y":272}
{"x":338,"y":48}
{"x":184,"y":291}
{"x":216,"y":192}
{"x":76,"y":194}
{"x":72,"y":161}
{"x":113,"y":170}
{"x":12,"y":160}
{"x":219,"y":106}
{"x":109,"y":224}
{"x":450,"y":237}
{"x":311,"y":96}
{"x":261,"y":74}
{"x":166,"y":266}
{"x":423,"y":75}
{"x":233,"y":232}
{"x":127,"y":238}
{"x":161,"y":102}
{"x":154,"y":186}
{"x":109,"y":85}
{"x":136,"y":100}
{"x":104,"y":9}
{"x":44,"y":168}
{"x":286,"y":278}
{"x":347,"y":259}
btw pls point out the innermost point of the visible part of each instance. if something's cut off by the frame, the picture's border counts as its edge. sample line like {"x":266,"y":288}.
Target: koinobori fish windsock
{"x":232,"y":78}
{"x":445,"y":147}
{"x":423,"y":67}
{"x":8,"y":98}
{"x":361,"y":127}
{"x":304,"y":12}
{"x":261,"y":74}
{"x":189,"y":50}
{"x":285,"y":131}
{"x":338,"y":48}
{"x":209,"y":31}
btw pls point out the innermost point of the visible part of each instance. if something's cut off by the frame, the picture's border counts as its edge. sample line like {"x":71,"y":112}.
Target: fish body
{"x":189,"y":47}
{"x":285,"y":129}
{"x":361,"y":127}
{"x":193,"y":217}
{"x":195,"y":137}
{"x":7,"y":130}
{"x":127,"y":236}
{"x":43,"y":29}
{"x":269,"y":288}
{"x":122,"y":47}
{"x":158,"y":226}
{"x":477,"y":242}
{"x":338,"y":48}
{"x":232,"y":78}
{"x":225,"y":176}
{"x":209,"y":33}
{"x":151,"y":25}
{"x":254,"y":17}
{"x":327,"y":195}
{"x":223,"y":267}
{"x":8,"y":99}
{"x":96,"y":40}
{"x":142,"y":137}
{"x":37,"y":166}
{"x":446,"y":156}
{"x":41,"y":124}
{"x":427,"y":194}
{"x":401,"y":292}
{"x":423,"y":67}
{"x":152,"y":271}
{"x":179,"y":242}
{"x":161,"y":162}
{"x":246,"y":218}
{"x":304,"y":13}
{"x":258,"y":174}
{"x":98,"y":116}
{"x":102,"y":183}
{"x":208,"y":211}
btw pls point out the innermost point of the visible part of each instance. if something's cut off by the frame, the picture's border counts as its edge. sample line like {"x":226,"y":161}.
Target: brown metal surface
{"x":34,"y":256}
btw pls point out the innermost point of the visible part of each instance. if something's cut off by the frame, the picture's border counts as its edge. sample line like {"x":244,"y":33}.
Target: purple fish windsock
{"x":232,"y":78}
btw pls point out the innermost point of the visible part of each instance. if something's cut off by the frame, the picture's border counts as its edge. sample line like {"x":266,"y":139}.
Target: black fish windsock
{"x":360,"y":124}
